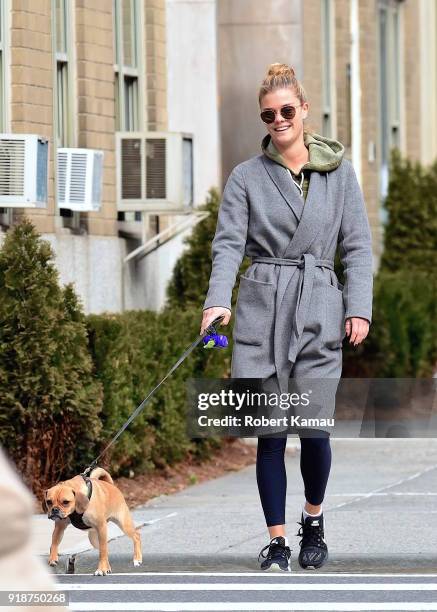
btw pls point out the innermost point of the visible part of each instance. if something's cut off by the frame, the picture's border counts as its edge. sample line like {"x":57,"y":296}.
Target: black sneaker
{"x":313,"y":548}
{"x":278,"y":556}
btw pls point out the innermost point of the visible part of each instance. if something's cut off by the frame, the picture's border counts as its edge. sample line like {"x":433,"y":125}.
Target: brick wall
{"x":96,"y":101}
{"x":32,"y":81}
{"x":369,"y":58}
{"x":156,"y":82}
{"x":32,"y":86}
{"x":156,"y":73}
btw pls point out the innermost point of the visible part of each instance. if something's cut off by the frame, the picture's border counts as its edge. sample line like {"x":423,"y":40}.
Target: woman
{"x":288,"y":209}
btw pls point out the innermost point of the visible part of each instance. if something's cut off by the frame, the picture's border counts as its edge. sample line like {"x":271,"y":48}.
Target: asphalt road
{"x":200,"y":546}
{"x":252,"y":591}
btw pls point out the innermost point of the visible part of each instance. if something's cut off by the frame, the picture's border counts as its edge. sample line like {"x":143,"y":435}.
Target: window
{"x":127,"y":55}
{"x":6,"y":214}
{"x":63,"y":114}
{"x":389,"y":84}
{"x":127,"y":28}
{"x":187,"y":160}
{"x":2,"y":87}
{"x":434,"y":151}
{"x":427,"y":69}
{"x":63,"y":90}
{"x":328,"y":78}
{"x":62,"y":103}
{"x":130,"y":103}
{"x":4,"y":48}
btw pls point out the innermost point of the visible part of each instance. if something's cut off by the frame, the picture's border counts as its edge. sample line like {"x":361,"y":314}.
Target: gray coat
{"x":291,"y":311}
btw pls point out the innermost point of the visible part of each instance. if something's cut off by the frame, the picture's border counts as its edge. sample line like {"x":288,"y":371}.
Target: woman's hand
{"x":209,"y":314}
{"x":357,"y":328}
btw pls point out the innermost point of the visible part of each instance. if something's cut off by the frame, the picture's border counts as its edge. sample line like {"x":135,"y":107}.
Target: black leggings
{"x":315,"y":464}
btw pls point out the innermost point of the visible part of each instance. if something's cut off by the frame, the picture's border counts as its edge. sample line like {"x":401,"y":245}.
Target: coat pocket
{"x":253,"y":311}
{"x":334,"y":331}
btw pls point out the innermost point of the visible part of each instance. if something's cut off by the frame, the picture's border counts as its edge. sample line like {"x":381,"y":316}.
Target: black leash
{"x":209,"y":330}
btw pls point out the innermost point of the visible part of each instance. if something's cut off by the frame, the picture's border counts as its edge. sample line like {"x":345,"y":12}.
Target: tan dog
{"x":89,"y":506}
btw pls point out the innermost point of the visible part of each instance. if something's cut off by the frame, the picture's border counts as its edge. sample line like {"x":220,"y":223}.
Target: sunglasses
{"x":288,"y":112}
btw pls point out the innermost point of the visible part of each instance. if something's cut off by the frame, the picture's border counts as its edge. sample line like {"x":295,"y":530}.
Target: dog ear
{"x":43,"y":502}
{"x":82,"y":502}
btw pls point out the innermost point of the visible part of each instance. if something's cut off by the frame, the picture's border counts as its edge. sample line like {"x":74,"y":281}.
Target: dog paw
{"x":102,"y":572}
{"x":137,"y":562}
{"x":53,"y":562}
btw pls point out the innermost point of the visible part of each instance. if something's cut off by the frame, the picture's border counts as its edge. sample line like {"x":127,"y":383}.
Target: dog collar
{"x":76,"y":518}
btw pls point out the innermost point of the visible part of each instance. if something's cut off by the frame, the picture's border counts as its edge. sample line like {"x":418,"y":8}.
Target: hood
{"x":325,"y":154}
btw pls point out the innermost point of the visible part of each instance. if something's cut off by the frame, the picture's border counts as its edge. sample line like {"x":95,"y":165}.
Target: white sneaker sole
{"x":275,"y":568}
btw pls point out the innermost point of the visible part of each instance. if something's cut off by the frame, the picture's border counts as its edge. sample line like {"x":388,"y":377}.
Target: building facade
{"x":83,"y":72}
{"x":79,"y":72}
{"x":369,"y":68}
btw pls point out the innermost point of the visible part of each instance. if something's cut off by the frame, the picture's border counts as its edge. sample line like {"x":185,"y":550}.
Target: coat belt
{"x":307,"y":262}
{"x":300,"y":263}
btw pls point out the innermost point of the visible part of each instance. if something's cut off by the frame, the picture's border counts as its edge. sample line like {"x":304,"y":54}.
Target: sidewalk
{"x":380,"y":514}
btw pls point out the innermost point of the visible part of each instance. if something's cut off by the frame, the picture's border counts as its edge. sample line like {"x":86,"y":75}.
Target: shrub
{"x":132,"y":353}
{"x":403,"y":340}
{"x":49,"y":398}
{"x":410,"y":233}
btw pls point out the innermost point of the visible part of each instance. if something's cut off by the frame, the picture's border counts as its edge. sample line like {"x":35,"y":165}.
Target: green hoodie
{"x":325,"y":154}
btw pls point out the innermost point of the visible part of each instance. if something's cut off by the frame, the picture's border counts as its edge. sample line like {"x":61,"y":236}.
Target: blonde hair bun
{"x":278,"y":69}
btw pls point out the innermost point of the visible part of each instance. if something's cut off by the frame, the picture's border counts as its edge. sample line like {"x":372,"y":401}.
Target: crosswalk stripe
{"x":254,"y":606}
{"x":129,"y":586}
{"x":266,"y":574}
{"x":391,"y":493}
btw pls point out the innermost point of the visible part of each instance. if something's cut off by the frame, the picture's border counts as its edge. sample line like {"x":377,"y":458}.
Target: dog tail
{"x":101,"y":474}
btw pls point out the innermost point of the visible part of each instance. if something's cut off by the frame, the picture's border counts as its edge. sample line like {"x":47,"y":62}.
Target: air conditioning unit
{"x":154,"y":172}
{"x":23,"y":170}
{"x":79,"y":179}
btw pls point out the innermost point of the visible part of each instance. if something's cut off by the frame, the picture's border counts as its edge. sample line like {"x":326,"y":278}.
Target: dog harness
{"x":75,"y":517}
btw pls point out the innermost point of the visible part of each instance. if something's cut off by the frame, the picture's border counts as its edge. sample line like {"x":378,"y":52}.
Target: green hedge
{"x":410,"y":237}
{"x":132,"y":352}
{"x":402,"y":341}
{"x":49,"y":398}
{"x":69,"y":382}
{"x":402,"y":338}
